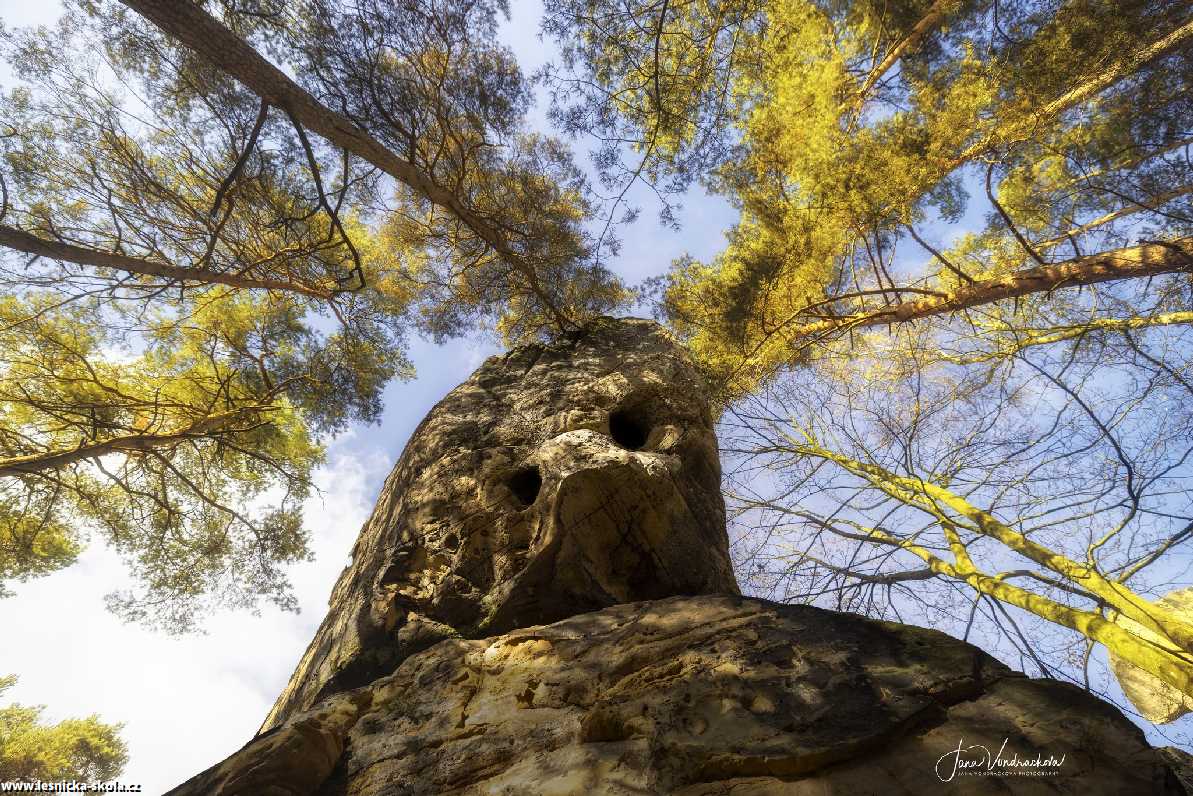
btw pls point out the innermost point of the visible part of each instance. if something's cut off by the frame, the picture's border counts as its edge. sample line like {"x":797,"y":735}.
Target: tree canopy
{"x":210,"y":267}
{"x":854,"y":123}
{"x":951,"y":327}
{"x":950,"y":331}
{"x":83,"y":750}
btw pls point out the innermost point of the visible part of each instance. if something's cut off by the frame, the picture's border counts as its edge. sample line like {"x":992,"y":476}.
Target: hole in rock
{"x":525,"y":484}
{"x":393,"y":574}
{"x":628,"y":430}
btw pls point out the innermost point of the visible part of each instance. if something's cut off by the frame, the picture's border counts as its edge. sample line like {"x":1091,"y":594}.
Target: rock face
{"x":556,"y":480}
{"x":701,"y":696}
{"x":542,"y":603}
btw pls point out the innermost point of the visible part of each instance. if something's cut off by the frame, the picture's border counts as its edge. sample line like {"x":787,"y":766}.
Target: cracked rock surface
{"x":557,"y":479}
{"x":705,"y":696}
{"x":542,"y":603}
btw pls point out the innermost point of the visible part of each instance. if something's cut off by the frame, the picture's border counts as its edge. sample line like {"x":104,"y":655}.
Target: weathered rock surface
{"x":555,"y":480}
{"x":1181,"y":763}
{"x":542,"y":603}
{"x":704,"y":696}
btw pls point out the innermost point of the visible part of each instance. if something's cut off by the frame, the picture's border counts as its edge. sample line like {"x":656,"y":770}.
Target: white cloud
{"x":187,"y":702}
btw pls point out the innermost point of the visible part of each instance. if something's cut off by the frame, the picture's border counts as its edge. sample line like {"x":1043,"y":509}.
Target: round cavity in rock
{"x":628,"y":430}
{"x":525,"y":485}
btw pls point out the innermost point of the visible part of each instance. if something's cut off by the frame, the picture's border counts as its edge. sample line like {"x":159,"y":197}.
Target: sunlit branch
{"x":931,"y":20}
{"x":133,"y":444}
{"x":23,"y":241}
{"x":199,"y":31}
{"x":1134,"y":262}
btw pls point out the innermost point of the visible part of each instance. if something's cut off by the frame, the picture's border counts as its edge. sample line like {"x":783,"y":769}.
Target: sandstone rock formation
{"x":556,"y":480}
{"x":700,"y":696}
{"x":1181,"y":763}
{"x":510,"y":624}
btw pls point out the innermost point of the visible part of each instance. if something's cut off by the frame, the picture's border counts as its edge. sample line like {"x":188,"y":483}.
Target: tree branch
{"x":1149,"y":259}
{"x":209,"y":38}
{"x":23,"y":241}
{"x":129,"y":444}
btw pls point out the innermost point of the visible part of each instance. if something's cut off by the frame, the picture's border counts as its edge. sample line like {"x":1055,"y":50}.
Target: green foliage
{"x":652,"y":84}
{"x":86,"y":750}
{"x":839,"y":149}
{"x":176,"y":414}
{"x":536,"y":189}
{"x":197,"y":460}
{"x":197,"y":291}
{"x":33,"y":541}
{"x":491,"y":231}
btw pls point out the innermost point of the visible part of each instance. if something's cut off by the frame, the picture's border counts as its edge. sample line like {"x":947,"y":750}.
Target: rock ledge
{"x":697,"y":696}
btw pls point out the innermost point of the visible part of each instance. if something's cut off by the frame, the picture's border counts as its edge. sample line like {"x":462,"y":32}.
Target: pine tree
{"x":954,"y":428}
{"x":84,"y":750}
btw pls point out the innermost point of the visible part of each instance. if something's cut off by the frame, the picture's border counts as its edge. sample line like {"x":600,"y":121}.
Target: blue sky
{"x":189,"y":702}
